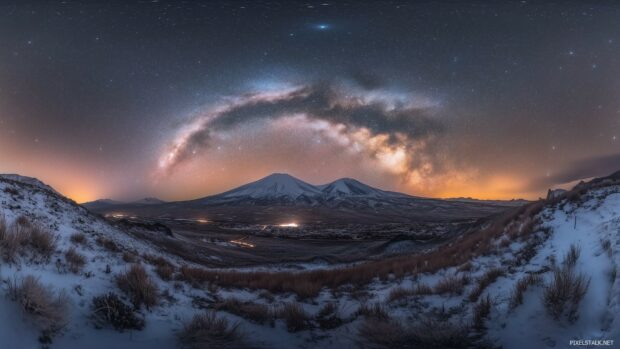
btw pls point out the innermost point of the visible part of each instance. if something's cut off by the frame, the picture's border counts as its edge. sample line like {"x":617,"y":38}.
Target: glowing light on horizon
{"x":288,"y":225}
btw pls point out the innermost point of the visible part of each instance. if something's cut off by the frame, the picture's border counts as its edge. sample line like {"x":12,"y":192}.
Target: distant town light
{"x":289,"y":225}
{"x":202,"y":220}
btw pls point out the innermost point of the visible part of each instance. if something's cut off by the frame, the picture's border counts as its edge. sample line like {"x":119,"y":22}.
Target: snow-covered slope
{"x":274,"y":186}
{"x":531,"y":242}
{"x":348,"y":187}
{"x":64,"y":218}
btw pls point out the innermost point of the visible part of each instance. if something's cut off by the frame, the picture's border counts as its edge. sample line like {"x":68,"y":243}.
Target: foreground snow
{"x":586,"y":224}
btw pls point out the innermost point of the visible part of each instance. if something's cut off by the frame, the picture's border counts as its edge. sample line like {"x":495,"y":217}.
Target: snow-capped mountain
{"x":345,"y":200}
{"x":349,"y":187}
{"x":274,"y":186}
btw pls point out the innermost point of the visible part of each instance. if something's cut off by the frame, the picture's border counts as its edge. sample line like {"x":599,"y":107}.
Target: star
{"x":322,"y":26}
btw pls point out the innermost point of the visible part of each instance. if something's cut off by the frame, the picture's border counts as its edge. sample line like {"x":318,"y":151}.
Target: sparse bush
{"x":516,"y":297}
{"x":328,"y":317}
{"x":422,"y":289}
{"x":398,"y":293}
{"x":481,"y":312}
{"x":163,"y":267}
{"x":375,"y":311}
{"x":78,"y":238}
{"x":49,"y":310}
{"x":3,"y":227}
{"x":109,"y":309}
{"x":483,"y":282}
{"x":108,"y":244}
{"x":75,"y":260}
{"x":165,"y":271}
{"x":606,"y":244}
{"x":426,"y":334}
{"x":42,"y":241}
{"x":210,"y":331}
{"x":571,"y":257}
{"x":138,"y":286}
{"x":451,"y":284}
{"x":256,"y":312}
{"x":129,"y":257}
{"x":295,"y":316}
{"x":564,"y":293}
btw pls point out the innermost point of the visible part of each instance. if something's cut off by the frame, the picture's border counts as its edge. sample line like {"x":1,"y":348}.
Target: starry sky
{"x":179,"y":99}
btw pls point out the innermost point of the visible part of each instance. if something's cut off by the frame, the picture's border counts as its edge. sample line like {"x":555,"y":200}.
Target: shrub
{"x":427,"y":334}
{"x":571,"y":257}
{"x":516,"y":297}
{"x":484,"y":281}
{"x":107,"y":244}
{"x":110,"y":310}
{"x":75,"y":260}
{"x":138,"y":286}
{"x":165,"y":271}
{"x":42,"y":241}
{"x":256,"y":312}
{"x":209,"y":331}
{"x":375,"y":311}
{"x":3,"y":227}
{"x":328,"y":317}
{"x":49,"y":310}
{"x":13,"y":240}
{"x":398,"y":293}
{"x":295,"y":316}
{"x":481,"y":312}
{"x":163,"y":267}
{"x":564,"y":293}
{"x":606,"y":244}
{"x":129,"y":257}
{"x":451,"y":284}
{"x":78,"y":238}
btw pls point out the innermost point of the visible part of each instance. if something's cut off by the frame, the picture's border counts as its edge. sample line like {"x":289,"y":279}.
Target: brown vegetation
{"x":567,"y":288}
{"x":75,"y":260}
{"x":516,"y":297}
{"x":310,"y":283}
{"x":78,"y":238}
{"x":110,"y":310}
{"x":138,"y":286}
{"x":49,"y":310}
{"x":295,"y":316}
{"x":255,"y":312}
{"x":483,"y":282}
{"x":210,"y":331}
{"x":451,"y":284}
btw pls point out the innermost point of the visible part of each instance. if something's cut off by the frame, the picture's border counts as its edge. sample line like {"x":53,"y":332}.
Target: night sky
{"x":183,"y":99}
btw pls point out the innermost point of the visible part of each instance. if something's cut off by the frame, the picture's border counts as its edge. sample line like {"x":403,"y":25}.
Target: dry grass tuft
{"x":210,"y":331}
{"x":42,"y":241}
{"x":138,"y":286}
{"x":109,"y":309}
{"x":295,"y":316}
{"x":49,"y":310}
{"x":375,"y":311}
{"x":78,"y":238}
{"x":328,"y":317}
{"x":481,"y":312}
{"x":516,"y":297}
{"x":256,"y":312}
{"x":426,"y":334}
{"x":75,"y":260}
{"x":567,"y":288}
{"x":108,"y":244}
{"x":451,"y":284}
{"x":483,"y":282}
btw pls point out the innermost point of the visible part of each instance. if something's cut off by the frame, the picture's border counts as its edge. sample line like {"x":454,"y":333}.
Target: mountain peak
{"x":350,"y":187}
{"x":276,"y":185}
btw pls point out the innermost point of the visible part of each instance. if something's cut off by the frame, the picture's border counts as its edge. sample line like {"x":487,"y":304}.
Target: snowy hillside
{"x":538,"y":276}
